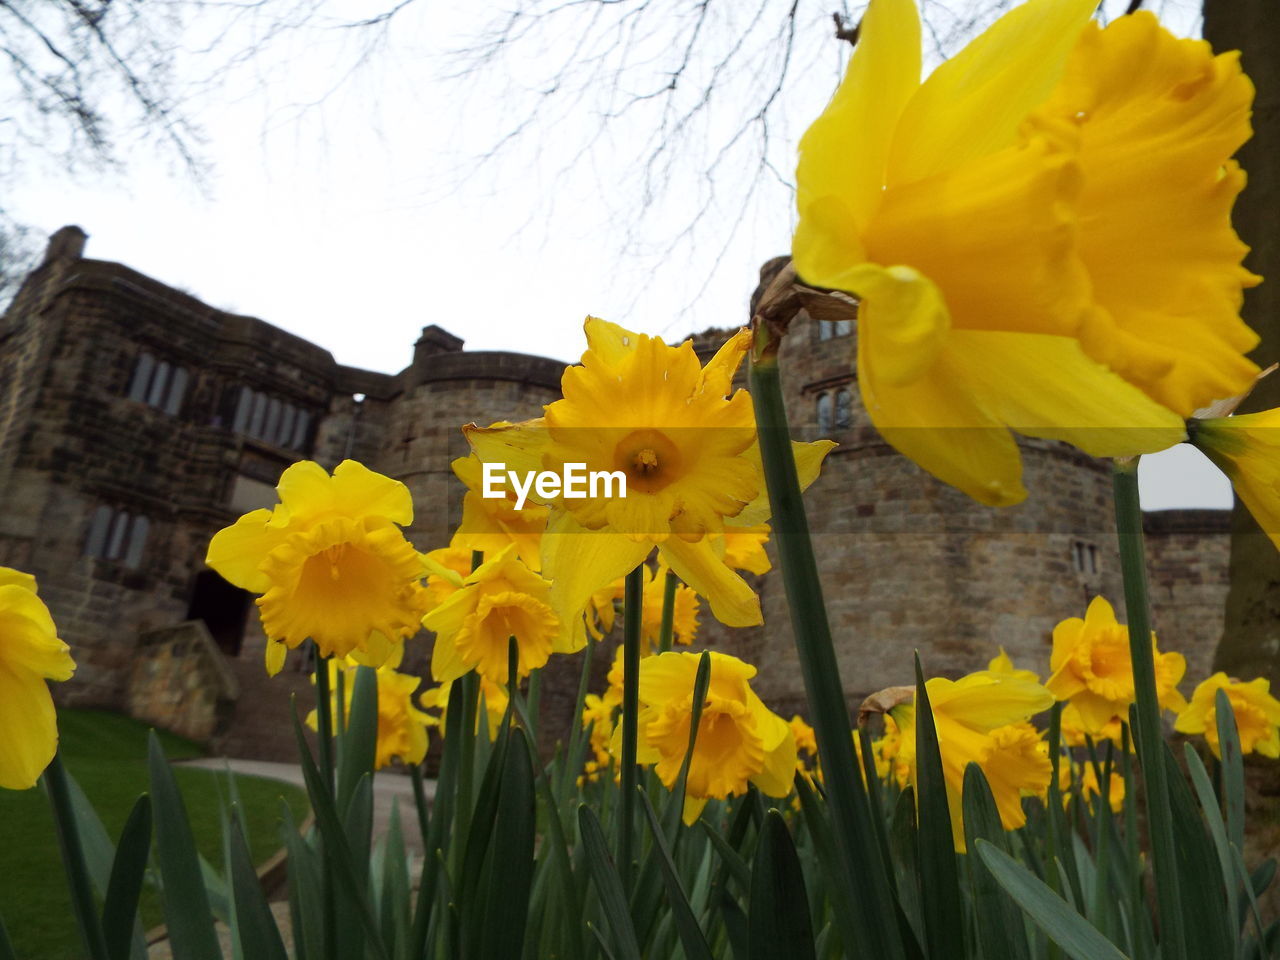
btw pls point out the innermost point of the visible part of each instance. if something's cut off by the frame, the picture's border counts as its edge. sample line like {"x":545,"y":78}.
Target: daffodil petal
{"x":520,"y":446}
{"x":843,"y":153}
{"x":236,"y":552}
{"x":1045,"y":386}
{"x":30,"y":728}
{"x":363,"y":493}
{"x":808,"y":456}
{"x":579,"y":562}
{"x":974,"y":103}
{"x":936,"y":422}
{"x":732,"y":600}
{"x":983,"y":703}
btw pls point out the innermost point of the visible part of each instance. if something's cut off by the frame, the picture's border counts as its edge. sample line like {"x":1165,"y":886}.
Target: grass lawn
{"x":106,"y":753}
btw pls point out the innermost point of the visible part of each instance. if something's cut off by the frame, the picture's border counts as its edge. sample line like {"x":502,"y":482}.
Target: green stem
{"x":1147,"y":733}
{"x":324,"y":720}
{"x":469,"y":686}
{"x":668,"y":611}
{"x":340,"y":717}
{"x":73,"y":863}
{"x":632,"y":602}
{"x":851,"y":813}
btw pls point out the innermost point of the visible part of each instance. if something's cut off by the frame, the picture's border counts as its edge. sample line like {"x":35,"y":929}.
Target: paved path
{"x":387,"y":788}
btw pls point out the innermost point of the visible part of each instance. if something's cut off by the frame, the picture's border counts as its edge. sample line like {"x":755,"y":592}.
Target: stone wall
{"x":179,"y":681}
{"x":1187,"y":576}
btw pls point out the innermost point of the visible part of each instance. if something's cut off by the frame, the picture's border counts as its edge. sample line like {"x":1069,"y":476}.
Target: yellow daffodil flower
{"x":1038,"y":235}
{"x":684,"y":623}
{"x":402,"y":727}
{"x":1086,"y":777}
{"x":330,"y":562}
{"x":448,"y":567}
{"x":744,"y":547}
{"x":502,"y":599}
{"x":1256,"y":711}
{"x":30,"y":654}
{"x":490,"y":523}
{"x":983,"y":719}
{"x":1003,"y":663}
{"x":598,"y":713}
{"x":493,"y":696}
{"x":1246,"y":448}
{"x":1075,"y":733}
{"x":806,"y":742}
{"x":687,"y":449}
{"x":740,"y":741}
{"x":1091,"y":667}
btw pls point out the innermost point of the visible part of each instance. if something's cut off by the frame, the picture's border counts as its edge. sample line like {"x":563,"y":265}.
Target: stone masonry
{"x":136,"y":420}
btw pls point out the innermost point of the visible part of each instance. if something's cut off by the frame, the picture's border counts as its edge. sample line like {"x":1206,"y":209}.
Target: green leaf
{"x":255,"y":927}
{"x":1232,"y":768}
{"x":506,"y":901}
{"x":478,"y":840}
{"x":1202,"y":898}
{"x":337,"y":852}
{"x":306,"y":899}
{"x":834,"y":868}
{"x":6,"y":945}
{"x":120,"y":910}
{"x":939,"y":877}
{"x":903,"y":840}
{"x":1218,"y":831}
{"x":186,"y":903}
{"x":393,"y":905}
{"x":732,"y":860}
{"x":608,"y":885}
{"x":779,"y":927}
{"x":357,"y":827}
{"x":1047,"y":910}
{"x":998,"y":920}
{"x":360,"y":740}
{"x":691,"y":936}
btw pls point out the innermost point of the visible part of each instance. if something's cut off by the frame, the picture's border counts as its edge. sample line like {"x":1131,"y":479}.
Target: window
{"x":844,"y":408}
{"x":158,"y":383}
{"x":270,"y":420}
{"x":824,"y":411}
{"x":1084,"y":557}
{"x":117,"y":535}
{"x":828,"y":329}
{"x":824,"y":330}
{"x":843,"y":328}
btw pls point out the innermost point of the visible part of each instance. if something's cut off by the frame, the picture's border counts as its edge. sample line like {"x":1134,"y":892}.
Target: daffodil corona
{"x":1092,"y":668}
{"x":501,"y":599}
{"x":330,"y":562}
{"x":740,"y":741}
{"x":1038,"y":234}
{"x":30,"y":654}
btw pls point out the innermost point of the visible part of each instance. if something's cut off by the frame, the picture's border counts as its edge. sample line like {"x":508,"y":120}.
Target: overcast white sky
{"x":362,"y":219}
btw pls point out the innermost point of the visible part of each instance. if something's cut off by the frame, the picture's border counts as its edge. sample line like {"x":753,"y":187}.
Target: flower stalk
{"x":632,"y":612}
{"x":668,"y":611}
{"x":851,"y":814}
{"x":1147,"y":731}
{"x":324,"y":719}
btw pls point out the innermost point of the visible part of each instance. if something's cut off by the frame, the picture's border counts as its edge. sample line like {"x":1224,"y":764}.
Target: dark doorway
{"x":223,"y":608}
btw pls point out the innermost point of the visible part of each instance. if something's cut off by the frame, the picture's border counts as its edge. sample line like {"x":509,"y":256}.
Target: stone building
{"x":135,"y":421}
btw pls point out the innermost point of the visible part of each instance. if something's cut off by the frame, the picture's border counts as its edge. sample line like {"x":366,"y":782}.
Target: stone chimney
{"x":65,"y":244}
{"x":434,"y":341}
